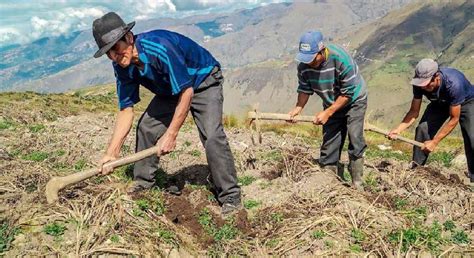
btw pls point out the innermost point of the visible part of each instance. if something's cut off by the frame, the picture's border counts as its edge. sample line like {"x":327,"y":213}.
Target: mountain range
{"x":256,"y":48}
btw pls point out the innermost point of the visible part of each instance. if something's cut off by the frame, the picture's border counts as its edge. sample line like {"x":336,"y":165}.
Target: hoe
{"x":256,"y":116}
{"x":55,"y":184}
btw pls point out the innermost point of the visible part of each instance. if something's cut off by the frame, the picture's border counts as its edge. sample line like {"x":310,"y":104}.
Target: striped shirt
{"x":337,"y":76}
{"x":172,"y":63}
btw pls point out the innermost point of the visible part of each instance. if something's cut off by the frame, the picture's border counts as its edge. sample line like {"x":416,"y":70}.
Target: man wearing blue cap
{"x":184,"y":77}
{"x":451,"y":96}
{"x":334,"y":75}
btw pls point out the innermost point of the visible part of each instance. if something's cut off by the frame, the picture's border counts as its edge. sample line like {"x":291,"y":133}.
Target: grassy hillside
{"x":388,"y":49}
{"x":292,"y":207}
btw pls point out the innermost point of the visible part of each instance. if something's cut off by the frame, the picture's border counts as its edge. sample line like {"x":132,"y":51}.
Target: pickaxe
{"x":256,"y":116}
{"x":55,"y":184}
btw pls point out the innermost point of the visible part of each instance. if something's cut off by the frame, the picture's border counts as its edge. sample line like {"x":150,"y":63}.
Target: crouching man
{"x":334,"y":75}
{"x":184,"y":77}
{"x":451,"y":98}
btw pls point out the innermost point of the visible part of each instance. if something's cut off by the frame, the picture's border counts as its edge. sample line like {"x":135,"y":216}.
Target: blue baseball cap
{"x":310,"y":44}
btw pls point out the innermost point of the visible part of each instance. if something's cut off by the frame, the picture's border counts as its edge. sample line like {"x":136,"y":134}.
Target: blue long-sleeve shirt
{"x":172,"y":63}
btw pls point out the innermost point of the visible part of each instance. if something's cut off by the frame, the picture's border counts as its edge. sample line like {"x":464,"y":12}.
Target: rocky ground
{"x":292,"y":207}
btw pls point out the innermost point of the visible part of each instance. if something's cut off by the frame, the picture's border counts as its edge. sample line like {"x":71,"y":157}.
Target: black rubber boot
{"x":356,"y":168}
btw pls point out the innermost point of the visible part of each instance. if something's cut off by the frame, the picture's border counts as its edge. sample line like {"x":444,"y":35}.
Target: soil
{"x":292,"y":198}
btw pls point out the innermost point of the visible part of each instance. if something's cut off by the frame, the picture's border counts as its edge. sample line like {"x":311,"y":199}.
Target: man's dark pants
{"x":206,"y":108}
{"x":347,"y":121}
{"x":433,"y":119}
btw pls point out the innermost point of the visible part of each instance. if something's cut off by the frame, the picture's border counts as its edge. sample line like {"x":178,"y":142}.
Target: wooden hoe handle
{"x":400,"y":138}
{"x":278,"y":116}
{"x":55,"y":184}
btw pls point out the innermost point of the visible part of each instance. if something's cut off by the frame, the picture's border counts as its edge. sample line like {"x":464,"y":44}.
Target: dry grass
{"x":303,"y":210}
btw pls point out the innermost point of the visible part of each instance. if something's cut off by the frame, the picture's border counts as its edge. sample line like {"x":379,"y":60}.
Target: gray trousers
{"x":206,"y":108}
{"x":347,"y":121}
{"x":433,"y":119}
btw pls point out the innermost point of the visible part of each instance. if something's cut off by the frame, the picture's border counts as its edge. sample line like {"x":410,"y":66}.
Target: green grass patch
{"x":7,"y":235}
{"x":358,"y":235}
{"x":37,"y":156}
{"x":277,"y":217}
{"x":460,"y":237}
{"x":370,"y":181}
{"x":273,"y":155}
{"x":137,"y":212}
{"x":442,"y":157}
{"x":36,"y":128}
{"x":355,"y":248}
{"x":347,"y":176}
{"x":143,"y":204}
{"x":449,"y":225}
{"x":245,"y":180}
{"x":125,"y":149}
{"x":5,"y":124}
{"x":124,"y":173}
{"x":54,"y":229}
{"x":419,"y":237}
{"x":272,"y":243}
{"x":15,"y":153}
{"x":153,"y":200}
{"x":329,"y":244}
{"x":250,"y":204}
{"x":167,"y":236}
{"x":226,"y":232}
{"x":160,"y":178}
{"x":80,"y":164}
{"x":115,"y":239}
{"x":400,"y":203}
{"x":318,"y":234}
{"x":195,"y":153}
{"x":60,"y":153}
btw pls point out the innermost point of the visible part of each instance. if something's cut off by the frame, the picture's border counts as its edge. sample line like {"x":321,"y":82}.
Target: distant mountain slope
{"x":236,"y":39}
{"x":386,"y":49}
{"x":389,"y":49}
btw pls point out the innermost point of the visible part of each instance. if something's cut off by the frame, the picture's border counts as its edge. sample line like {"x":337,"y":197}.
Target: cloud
{"x":22,"y":22}
{"x":63,"y":22}
{"x":9,"y":35}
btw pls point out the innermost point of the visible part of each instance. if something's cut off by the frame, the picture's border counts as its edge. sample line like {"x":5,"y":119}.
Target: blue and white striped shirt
{"x":173,"y":62}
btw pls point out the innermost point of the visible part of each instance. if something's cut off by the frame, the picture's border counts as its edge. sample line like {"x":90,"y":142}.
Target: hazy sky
{"x":22,"y":21}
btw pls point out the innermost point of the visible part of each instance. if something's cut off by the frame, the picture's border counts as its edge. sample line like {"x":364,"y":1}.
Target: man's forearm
{"x":340,"y":102}
{"x":181,"y":112}
{"x":446,"y":129}
{"x":302,"y":100}
{"x":411,"y":115}
{"x":122,"y":127}
{"x":407,"y":121}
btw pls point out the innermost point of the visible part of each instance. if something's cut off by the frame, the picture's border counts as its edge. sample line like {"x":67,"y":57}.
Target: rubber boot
{"x":356,"y":168}
{"x":337,"y":169}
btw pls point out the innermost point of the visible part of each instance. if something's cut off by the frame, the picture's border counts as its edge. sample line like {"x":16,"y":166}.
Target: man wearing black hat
{"x":184,"y":77}
{"x":452,"y":96}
